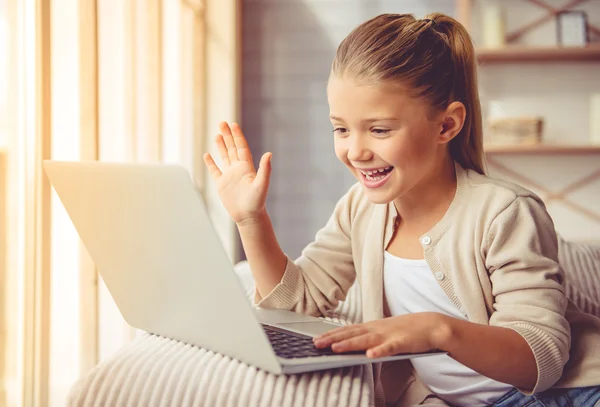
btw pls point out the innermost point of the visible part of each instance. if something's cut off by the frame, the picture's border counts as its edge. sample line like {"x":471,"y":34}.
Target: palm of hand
{"x":241,"y":188}
{"x":240,"y":192}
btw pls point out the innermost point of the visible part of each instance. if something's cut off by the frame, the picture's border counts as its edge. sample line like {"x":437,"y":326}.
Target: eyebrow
{"x":374,"y":119}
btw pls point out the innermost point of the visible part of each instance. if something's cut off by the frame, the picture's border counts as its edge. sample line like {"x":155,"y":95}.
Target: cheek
{"x":423,"y":148}
{"x":403,"y":152}
{"x":419,"y":146}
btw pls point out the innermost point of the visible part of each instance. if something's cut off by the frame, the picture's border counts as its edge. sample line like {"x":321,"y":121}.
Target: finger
{"x":342,"y":329}
{"x":333,"y":332}
{"x":222,"y":150}
{"x":243,"y":150}
{"x":212,"y":167}
{"x":228,"y":138}
{"x":263,"y":175}
{"x":340,"y":336}
{"x":360,"y":342}
{"x":388,"y":348}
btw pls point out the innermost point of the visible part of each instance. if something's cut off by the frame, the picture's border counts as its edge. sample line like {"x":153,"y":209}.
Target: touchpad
{"x":311,"y":328}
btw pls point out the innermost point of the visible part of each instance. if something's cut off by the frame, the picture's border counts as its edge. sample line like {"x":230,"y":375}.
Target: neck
{"x":428,"y":201}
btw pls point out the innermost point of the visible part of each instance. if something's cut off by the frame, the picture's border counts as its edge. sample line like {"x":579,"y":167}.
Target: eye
{"x":381,"y":131}
{"x":341,"y":131}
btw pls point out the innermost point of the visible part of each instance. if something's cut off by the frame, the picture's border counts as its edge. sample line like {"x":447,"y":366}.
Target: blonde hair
{"x":434,"y":57}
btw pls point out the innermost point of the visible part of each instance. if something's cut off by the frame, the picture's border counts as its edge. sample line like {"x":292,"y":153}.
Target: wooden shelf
{"x":539,"y":54}
{"x":574,"y":149}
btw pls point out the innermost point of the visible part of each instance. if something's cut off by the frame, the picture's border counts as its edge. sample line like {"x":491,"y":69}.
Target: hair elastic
{"x":429,"y":20}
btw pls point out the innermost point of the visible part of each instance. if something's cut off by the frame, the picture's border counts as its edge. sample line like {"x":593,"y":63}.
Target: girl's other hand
{"x":411,"y":333}
{"x":242,"y":189}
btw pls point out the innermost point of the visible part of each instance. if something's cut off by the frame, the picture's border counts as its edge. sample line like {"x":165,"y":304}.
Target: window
{"x":4,"y":73}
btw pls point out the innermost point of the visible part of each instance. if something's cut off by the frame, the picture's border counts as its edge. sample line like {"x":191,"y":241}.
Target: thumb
{"x":263,"y":175}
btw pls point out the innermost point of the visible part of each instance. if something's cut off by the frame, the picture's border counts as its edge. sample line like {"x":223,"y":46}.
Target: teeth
{"x":375,"y":171}
{"x":374,"y":175}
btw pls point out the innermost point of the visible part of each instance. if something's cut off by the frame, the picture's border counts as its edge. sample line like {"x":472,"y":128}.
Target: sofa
{"x":157,"y":371}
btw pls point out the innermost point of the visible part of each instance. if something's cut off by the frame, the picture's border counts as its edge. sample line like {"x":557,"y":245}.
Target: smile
{"x":374,"y":178}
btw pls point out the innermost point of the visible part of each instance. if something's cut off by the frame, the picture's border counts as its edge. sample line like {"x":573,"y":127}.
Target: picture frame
{"x":572,"y":28}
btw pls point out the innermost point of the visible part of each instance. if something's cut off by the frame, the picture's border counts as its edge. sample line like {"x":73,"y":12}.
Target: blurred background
{"x":149,"y":80}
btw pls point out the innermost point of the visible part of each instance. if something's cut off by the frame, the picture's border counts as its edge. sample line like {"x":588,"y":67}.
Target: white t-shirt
{"x":411,"y":287}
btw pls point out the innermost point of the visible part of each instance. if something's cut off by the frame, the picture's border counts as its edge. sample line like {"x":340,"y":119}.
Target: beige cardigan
{"x":494,"y":253}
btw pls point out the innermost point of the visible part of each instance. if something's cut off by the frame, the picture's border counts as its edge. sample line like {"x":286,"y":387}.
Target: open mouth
{"x":377,"y":174}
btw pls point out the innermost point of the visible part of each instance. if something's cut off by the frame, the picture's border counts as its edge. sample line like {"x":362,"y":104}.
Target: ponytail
{"x":467,"y":147}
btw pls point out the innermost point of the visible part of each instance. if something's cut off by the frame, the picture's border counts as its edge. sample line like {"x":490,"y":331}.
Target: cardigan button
{"x":439,"y":275}
{"x":426,"y":240}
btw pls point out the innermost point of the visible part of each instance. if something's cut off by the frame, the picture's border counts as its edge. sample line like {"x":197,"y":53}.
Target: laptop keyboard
{"x":291,"y":345}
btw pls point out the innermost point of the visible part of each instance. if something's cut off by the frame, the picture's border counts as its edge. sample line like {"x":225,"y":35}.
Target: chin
{"x":378,"y":197}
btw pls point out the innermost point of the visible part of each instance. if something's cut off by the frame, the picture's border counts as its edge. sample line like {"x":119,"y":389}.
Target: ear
{"x":452,"y":121}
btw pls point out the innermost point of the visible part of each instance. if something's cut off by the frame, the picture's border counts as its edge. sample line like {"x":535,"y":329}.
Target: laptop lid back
{"x":147,"y":230}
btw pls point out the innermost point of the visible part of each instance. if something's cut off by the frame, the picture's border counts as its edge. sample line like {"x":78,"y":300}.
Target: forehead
{"x":352,"y":98}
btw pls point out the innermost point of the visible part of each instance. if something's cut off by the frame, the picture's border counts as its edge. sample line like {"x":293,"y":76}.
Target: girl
{"x":447,"y":258}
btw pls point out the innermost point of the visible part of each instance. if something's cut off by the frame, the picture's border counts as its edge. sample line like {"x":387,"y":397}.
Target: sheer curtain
{"x":5,"y":97}
{"x":110,"y":80}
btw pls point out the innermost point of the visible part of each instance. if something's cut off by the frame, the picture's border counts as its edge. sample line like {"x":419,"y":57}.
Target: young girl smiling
{"x":447,"y":258}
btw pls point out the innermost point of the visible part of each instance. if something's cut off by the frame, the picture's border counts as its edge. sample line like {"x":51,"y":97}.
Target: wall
{"x":288,"y":46}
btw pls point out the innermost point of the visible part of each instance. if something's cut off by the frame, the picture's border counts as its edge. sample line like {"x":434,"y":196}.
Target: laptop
{"x":149,"y":234}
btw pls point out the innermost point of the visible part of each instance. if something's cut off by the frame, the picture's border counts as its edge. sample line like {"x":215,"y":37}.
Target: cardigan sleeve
{"x":321,"y":277}
{"x":527,"y":285}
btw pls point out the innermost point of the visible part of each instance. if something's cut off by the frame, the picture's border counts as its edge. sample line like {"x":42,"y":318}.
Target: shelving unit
{"x":539,"y":54}
{"x":514,"y":53}
{"x":542,"y":149}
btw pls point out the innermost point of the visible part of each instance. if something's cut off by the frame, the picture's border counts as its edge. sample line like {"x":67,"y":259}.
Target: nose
{"x":358,"y":149}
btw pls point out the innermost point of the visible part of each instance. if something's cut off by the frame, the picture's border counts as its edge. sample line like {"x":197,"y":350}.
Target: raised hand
{"x":242,"y":189}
